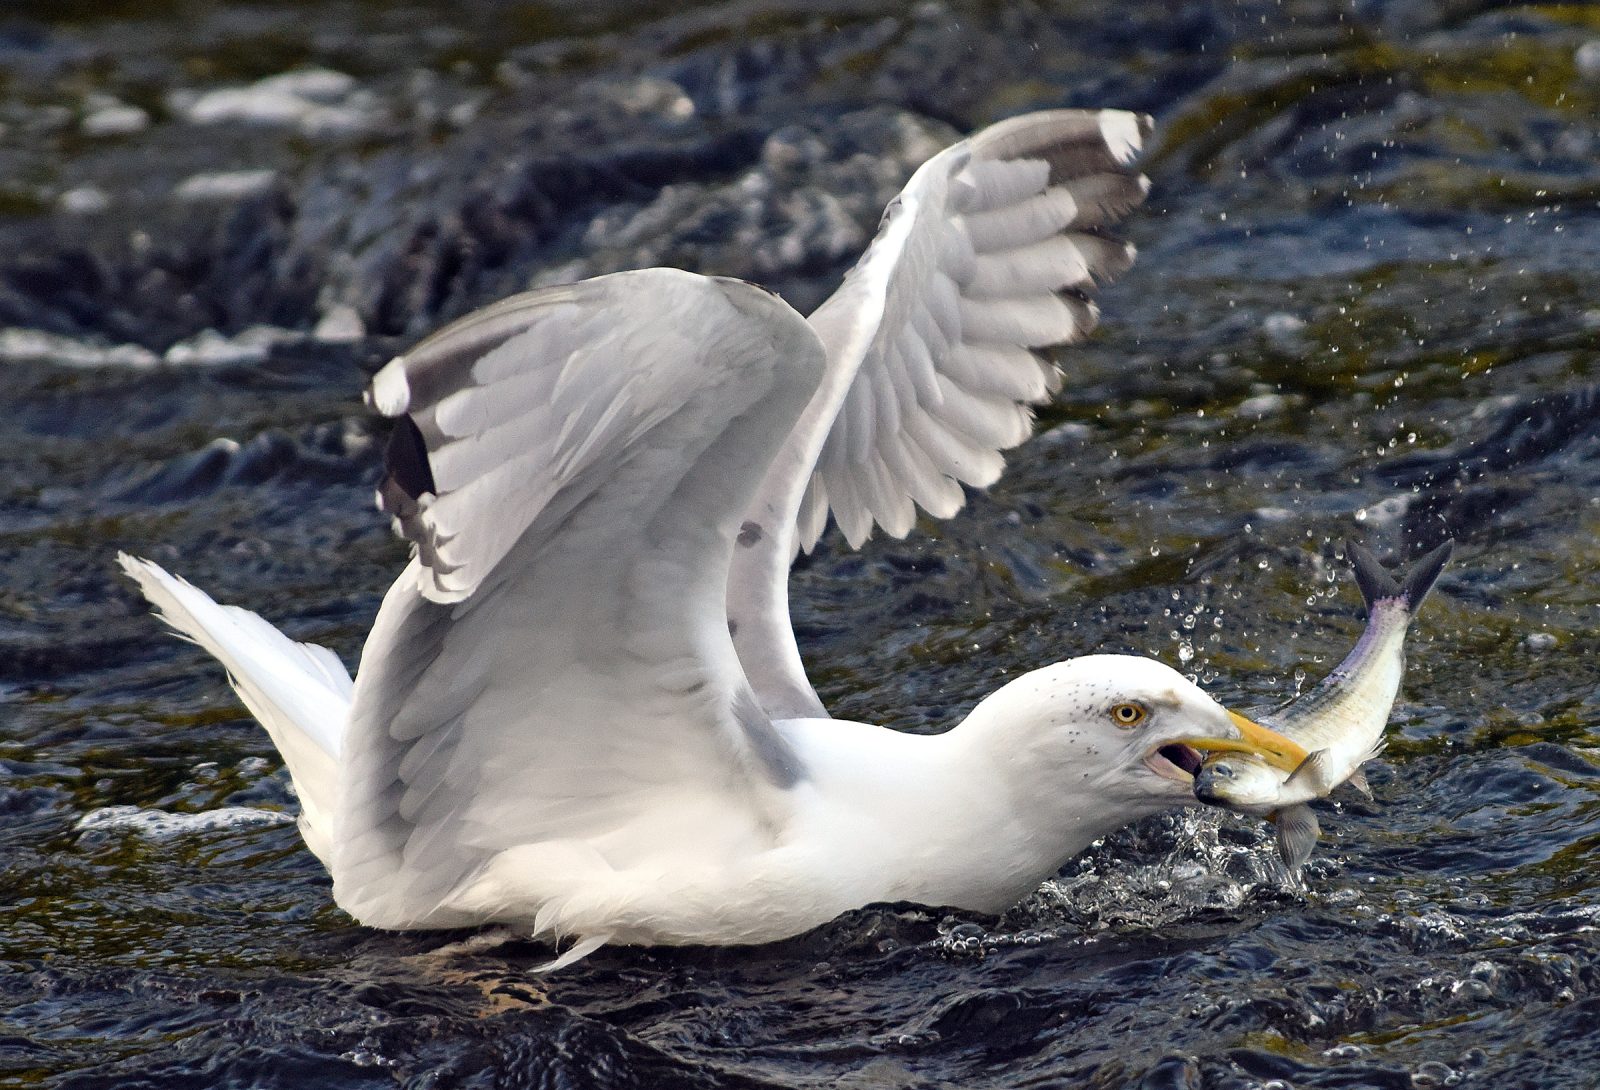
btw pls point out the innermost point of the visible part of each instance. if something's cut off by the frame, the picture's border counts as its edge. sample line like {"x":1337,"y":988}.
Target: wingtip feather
{"x":1124,"y":133}
{"x":389,"y":394}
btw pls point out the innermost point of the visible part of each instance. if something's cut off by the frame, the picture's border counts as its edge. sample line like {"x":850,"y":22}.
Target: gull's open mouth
{"x":1263,"y":742}
{"x":1180,"y":761}
{"x":1175,"y":761}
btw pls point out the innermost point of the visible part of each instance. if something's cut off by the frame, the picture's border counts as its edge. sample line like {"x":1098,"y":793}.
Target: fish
{"x":1340,"y":721}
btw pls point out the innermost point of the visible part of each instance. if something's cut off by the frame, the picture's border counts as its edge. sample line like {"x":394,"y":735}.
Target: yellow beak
{"x":1274,"y":748}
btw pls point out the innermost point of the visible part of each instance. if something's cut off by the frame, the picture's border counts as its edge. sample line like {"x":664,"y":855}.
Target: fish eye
{"x":1128,"y":715}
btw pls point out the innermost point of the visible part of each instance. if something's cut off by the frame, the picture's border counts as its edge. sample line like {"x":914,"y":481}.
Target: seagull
{"x":581,"y":713}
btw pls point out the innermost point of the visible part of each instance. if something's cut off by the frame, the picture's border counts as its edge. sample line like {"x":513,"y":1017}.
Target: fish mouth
{"x":1180,"y":760}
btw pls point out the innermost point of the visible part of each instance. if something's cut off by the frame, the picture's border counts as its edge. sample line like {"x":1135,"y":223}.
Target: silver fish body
{"x":1340,"y":722}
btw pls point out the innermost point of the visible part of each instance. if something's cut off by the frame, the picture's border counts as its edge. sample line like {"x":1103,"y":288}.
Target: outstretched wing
{"x":990,"y":253}
{"x":554,"y":665}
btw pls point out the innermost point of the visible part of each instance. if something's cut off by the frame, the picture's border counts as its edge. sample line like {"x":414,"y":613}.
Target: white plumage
{"x":581,"y":711}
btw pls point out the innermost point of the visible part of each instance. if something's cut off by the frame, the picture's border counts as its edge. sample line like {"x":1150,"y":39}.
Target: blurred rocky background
{"x":1367,"y":304}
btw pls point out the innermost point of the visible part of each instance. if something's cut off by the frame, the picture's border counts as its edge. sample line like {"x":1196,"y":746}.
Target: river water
{"x":1367,"y":305}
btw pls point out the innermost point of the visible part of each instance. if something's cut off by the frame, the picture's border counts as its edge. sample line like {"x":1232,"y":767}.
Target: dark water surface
{"x":1368,"y":304}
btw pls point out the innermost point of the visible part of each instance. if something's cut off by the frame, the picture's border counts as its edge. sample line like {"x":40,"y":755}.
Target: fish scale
{"x":1340,"y":722}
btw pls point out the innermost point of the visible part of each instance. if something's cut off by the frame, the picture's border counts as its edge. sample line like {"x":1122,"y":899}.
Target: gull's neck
{"x":1056,"y":793}
{"x":974,"y":818}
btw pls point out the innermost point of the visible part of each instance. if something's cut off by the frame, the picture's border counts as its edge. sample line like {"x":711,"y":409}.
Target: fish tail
{"x":1378,"y":585}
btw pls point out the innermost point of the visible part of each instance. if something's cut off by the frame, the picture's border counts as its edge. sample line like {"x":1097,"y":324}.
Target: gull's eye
{"x":1128,"y":715}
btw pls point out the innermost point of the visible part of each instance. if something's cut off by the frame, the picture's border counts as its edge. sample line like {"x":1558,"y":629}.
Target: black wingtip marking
{"x":406,"y":459}
{"x":1377,"y":584}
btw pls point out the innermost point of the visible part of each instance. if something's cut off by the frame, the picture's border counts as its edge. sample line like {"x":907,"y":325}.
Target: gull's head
{"x":1117,"y":729}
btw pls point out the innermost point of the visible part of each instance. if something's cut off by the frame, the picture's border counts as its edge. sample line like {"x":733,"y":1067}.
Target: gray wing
{"x":989,"y":254}
{"x":554,"y":664}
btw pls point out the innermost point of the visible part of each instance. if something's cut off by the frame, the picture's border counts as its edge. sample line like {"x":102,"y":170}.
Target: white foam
{"x":1587,"y":59}
{"x":1283,"y":329}
{"x":115,"y":119}
{"x":161,"y":824}
{"x":340,"y":324}
{"x":317,"y":101}
{"x":225,"y":185}
{"x":1273,"y":514}
{"x":19,"y":345}
{"x":1263,"y":405}
{"x":84,"y":200}
{"x":320,"y":85}
{"x":648,"y":96}
{"x":210,"y":348}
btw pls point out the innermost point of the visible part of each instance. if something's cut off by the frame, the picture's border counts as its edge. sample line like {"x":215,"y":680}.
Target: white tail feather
{"x":298,"y":691}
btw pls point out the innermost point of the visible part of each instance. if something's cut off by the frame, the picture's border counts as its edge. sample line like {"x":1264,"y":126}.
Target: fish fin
{"x":1374,"y":580}
{"x":1298,"y":830}
{"x":1358,"y":780}
{"x":1314,"y":772}
{"x":1378,"y":584}
{"x":1424,"y":573}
